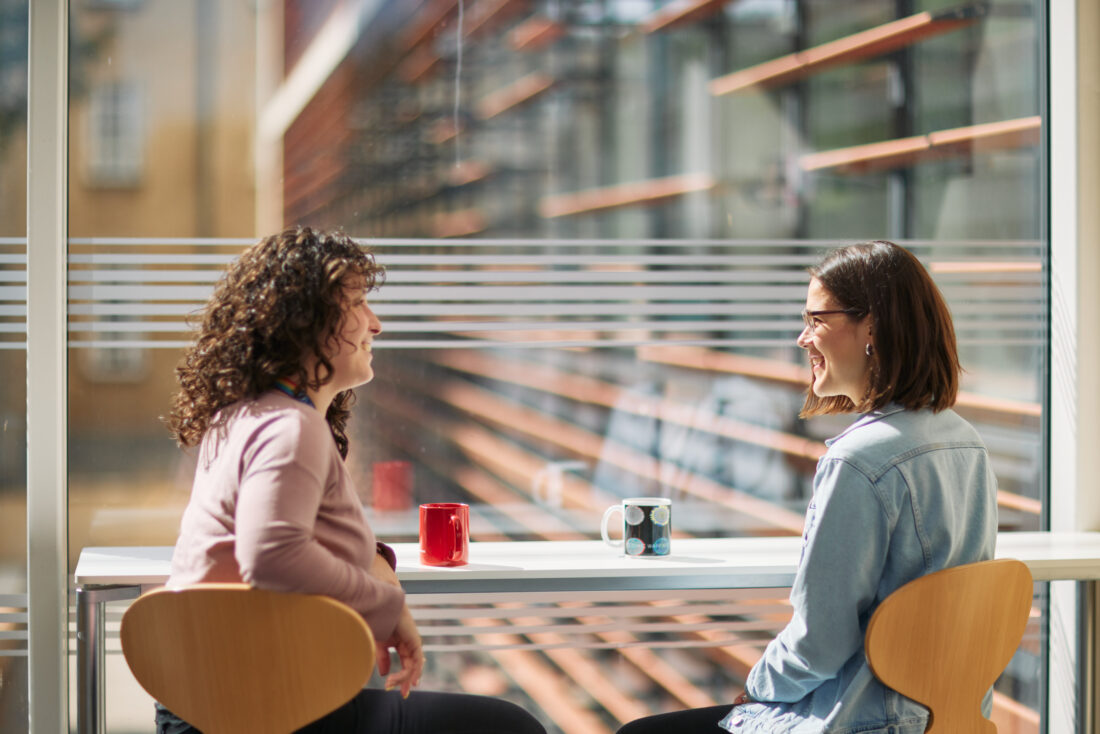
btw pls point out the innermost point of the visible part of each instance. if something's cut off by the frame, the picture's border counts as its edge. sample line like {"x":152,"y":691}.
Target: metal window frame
{"x":1074,"y":394}
{"x":47,"y":372}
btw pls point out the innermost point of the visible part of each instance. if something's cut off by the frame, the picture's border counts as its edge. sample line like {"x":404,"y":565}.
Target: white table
{"x":510,"y":568}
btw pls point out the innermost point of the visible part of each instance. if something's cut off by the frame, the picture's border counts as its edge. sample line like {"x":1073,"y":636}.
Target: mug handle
{"x":456,"y":549}
{"x":603,"y":525}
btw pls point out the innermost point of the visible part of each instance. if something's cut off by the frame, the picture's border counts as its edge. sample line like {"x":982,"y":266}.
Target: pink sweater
{"x":273,"y":505}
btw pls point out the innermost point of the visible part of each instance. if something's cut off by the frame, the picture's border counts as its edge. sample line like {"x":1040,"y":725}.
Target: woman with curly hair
{"x":265,"y":394}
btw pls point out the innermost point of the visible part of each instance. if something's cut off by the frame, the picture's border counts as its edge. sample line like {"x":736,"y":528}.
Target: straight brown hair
{"x":915,"y":361}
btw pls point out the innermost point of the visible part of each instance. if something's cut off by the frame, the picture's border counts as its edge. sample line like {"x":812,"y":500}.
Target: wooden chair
{"x":944,"y":638}
{"x":229,"y":658}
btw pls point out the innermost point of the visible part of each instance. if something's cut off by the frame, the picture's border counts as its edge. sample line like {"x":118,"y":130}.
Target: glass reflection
{"x":605,"y":211}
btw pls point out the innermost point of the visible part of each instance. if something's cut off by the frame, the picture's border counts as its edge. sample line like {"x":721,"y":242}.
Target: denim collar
{"x":865,"y":419}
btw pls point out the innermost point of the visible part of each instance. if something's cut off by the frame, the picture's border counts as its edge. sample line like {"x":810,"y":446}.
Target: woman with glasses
{"x":265,"y":394}
{"x":906,"y":490}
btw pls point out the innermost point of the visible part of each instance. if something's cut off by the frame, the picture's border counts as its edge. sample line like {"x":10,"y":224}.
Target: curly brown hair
{"x":278,"y":304}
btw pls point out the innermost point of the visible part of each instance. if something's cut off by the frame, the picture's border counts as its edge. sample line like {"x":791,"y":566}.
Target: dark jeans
{"x":424,"y":712}
{"x":692,"y":721}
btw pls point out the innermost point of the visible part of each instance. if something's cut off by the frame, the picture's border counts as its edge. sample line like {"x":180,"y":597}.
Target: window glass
{"x":13,"y":366}
{"x":596,"y":220}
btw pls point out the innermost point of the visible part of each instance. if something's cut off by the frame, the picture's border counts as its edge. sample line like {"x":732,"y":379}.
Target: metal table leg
{"x":90,"y":645}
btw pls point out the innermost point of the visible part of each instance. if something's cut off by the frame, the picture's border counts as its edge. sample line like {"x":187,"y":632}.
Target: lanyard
{"x":291,"y":388}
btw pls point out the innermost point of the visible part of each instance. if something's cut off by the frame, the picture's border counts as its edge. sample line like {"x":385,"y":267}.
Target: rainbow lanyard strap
{"x":291,"y":388}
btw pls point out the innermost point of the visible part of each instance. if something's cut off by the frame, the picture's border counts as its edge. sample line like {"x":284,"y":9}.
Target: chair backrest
{"x":943,"y":639}
{"x":229,"y":658}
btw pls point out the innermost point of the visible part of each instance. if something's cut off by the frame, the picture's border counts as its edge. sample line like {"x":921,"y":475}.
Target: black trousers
{"x":692,"y":721}
{"x":384,"y":712}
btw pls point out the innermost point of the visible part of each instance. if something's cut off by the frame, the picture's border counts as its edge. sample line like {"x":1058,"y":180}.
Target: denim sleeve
{"x":845,"y":541}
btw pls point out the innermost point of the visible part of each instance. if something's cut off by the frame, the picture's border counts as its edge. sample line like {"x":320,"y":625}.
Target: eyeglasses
{"x":809,"y":316}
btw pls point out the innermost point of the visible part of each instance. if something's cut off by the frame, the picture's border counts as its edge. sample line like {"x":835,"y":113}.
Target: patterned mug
{"x":647,"y":526}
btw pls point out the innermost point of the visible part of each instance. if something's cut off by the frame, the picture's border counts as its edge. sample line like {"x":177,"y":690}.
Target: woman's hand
{"x":410,"y":651}
{"x":742,"y":699}
{"x":380,"y":569}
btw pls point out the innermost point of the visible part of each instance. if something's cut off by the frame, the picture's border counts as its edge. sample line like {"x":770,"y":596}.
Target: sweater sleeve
{"x":282,"y":482}
{"x":846,"y":540}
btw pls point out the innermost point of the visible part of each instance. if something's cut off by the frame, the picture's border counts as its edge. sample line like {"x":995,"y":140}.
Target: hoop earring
{"x":870,"y":351}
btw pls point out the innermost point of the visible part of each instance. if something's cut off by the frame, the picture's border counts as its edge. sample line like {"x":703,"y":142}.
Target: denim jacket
{"x":899,"y":494}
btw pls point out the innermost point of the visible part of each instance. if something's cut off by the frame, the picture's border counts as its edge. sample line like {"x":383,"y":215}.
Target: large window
{"x":596,"y":219}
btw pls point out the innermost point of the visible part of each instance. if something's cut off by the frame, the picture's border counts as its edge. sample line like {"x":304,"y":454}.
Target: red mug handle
{"x":456,"y":521}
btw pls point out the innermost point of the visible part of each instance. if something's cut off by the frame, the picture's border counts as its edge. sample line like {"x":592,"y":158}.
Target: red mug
{"x":392,"y":485}
{"x":444,"y":534}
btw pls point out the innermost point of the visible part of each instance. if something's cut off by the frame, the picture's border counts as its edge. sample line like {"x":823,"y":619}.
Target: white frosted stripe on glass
{"x":450,"y":310}
{"x":587,"y":293}
{"x":13,"y":310}
{"x":13,"y":241}
{"x":794,"y":261}
{"x":13,"y":600}
{"x":596,"y":628}
{"x":135,"y":344}
{"x":941,"y":246}
{"x":19,"y":327}
{"x":391,"y":261}
{"x":13,"y":634}
{"x":609,"y":343}
{"x":13,"y":617}
{"x":13,"y":345}
{"x":143,"y":276}
{"x":606,"y":293}
{"x":13,"y":293}
{"x":1033,"y":294}
{"x":456,"y":276}
{"x":422,"y":259}
{"x":555,"y":276}
{"x":789,"y":309}
{"x":722,"y":607}
{"x":821,"y":245}
{"x":147,"y":259}
{"x":471,"y":293}
{"x":76,"y":327}
{"x":596,"y":276}
{"x":779,"y":310}
{"x":578,"y":645}
{"x":13,"y":653}
{"x":449,"y":327}
{"x":138,"y":293}
{"x":159,"y":241}
{"x":13,"y":276}
{"x":468,"y":343}
{"x":135,"y":309}
{"x":13,"y":259}
{"x":452,"y":599}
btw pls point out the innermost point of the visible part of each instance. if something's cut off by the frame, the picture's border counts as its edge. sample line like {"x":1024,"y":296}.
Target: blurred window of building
{"x":116,"y":134}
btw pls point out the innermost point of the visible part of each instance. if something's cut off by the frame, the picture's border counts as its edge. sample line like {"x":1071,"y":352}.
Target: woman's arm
{"x":281,"y":488}
{"x":847,"y":536}
{"x":405,"y":639}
